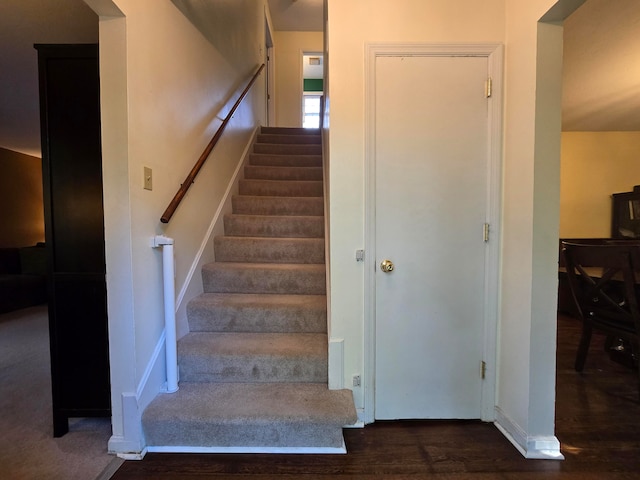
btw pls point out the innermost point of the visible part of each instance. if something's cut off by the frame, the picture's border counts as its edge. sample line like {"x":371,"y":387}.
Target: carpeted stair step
{"x":271,"y":278}
{"x":254,"y":365}
{"x":261,"y":205}
{"x":287,"y":149}
{"x":275,"y":160}
{"x":253,"y":357}
{"x":287,"y":138}
{"x":230,"y":312}
{"x":274,"y":226}
{"x":268,"y":250}
{"x":257,"y":172}
{"x":281,"y":188}
{"x":290,"y":131}
{"x":250,"y":417}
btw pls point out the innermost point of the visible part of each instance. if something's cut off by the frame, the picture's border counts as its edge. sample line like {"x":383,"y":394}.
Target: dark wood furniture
{"x":22,"y":277}
{"x":74,"y":231}
{"x":625,"y":217}
{"x":603,"y":283}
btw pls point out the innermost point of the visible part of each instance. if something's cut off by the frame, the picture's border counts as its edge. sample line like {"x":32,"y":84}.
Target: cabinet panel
{"x":74,"y":231}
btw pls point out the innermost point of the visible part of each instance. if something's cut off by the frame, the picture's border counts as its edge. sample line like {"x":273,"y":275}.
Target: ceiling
{"x":297,"y":15}
{"x":601,"y":83}
{"x":601,"y":71}
{"x":601,"y":74}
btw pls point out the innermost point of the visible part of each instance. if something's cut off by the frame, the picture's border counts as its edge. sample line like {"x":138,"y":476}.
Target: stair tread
{"x":279,"y":198}
{"x":310,"y":267}
{"x":234,"y":402}
{"x":286,"y":160}
{"x":268,"y":249}
{"x":261,"y":298}
{"x":274,"y":205}
{"x":290,"y":130}
{"x":285,"y":138}
{"x":281,"y":240}
{"x":282,"y":188}
{"x":281,"y":226}
{"x":280,"y":172}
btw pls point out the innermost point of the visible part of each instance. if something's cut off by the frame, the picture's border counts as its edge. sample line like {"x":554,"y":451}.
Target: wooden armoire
{"x":74,"y":231}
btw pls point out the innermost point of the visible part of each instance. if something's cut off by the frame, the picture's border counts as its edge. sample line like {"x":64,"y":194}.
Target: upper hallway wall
{"x":288,"y":50}
{"x":165,"y":90}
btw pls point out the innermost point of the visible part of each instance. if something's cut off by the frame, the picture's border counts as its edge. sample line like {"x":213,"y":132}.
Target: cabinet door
{"x":74,"y":231}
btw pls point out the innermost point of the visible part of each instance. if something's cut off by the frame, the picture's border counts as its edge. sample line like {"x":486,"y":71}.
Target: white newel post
{"x":169,"y":310}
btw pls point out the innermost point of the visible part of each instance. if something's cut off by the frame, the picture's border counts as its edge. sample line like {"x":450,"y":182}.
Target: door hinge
{"x":488,"y":87}
{"x":485,"y":232}
{"x":483,"y":369}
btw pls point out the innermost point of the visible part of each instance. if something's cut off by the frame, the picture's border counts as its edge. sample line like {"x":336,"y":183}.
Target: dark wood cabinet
{"x":74,"y":231}
{"x":625,"y":217}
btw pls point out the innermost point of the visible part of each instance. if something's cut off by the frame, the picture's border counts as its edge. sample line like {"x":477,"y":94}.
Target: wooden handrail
{"x":168,"y":213}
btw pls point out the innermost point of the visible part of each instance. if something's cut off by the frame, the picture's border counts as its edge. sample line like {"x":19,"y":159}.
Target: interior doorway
{"x":312,"y":88}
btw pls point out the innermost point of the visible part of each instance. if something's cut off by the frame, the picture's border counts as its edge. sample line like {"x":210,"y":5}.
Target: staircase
{"x":253,"y":369}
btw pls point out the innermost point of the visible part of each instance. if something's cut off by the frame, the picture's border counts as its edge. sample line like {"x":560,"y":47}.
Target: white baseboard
{"x":133,"y":455}
{"x":542,"y":447}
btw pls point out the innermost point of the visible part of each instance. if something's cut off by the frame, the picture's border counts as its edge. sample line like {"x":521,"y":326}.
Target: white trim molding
{"x":541,"y":447}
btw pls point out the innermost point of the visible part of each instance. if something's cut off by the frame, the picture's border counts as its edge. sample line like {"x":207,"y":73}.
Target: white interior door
{"x":431,"y":184}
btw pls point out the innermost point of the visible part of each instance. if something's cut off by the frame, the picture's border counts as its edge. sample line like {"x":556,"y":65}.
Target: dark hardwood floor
{"x":597,"y":422}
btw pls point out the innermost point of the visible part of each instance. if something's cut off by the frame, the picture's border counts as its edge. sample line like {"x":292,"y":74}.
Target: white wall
{"x":595,"y":165}
{"x":352,"y":25}
{"x":526,"y":337}
{"x":288,"y":50}
{"x":165,"y":90}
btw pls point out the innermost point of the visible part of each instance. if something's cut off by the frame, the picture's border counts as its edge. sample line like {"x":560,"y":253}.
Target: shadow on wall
{"x":21,"y":200}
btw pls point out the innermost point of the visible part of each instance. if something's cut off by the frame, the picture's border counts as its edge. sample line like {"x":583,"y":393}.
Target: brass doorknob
{"x":386,"y":266}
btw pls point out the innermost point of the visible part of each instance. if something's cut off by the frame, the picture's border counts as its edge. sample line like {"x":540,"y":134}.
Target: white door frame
{"x":494,"y":54}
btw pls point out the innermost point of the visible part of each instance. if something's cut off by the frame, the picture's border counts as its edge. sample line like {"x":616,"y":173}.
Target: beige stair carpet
{"x":253,"y":368}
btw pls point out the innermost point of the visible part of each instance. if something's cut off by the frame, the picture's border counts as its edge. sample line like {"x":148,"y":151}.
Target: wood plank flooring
{"x":597,"y":422}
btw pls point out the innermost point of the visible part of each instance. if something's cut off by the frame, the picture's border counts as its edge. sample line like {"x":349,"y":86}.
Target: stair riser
{"x":285,"y":160}
{"x":280,"y":139}
{"x":230,"y":278}
{"x":253,"y":358}
{"x":252,"y":369}
{"x":255,"y":205}
{"x":276,"y":188}
{"x":267,"y":250}
{"x":243,"y":433}
{"x":288,"y":149}
{"x":277,"y":226}
{"x":253,"y":172}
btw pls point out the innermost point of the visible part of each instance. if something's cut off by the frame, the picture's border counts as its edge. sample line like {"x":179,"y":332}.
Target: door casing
{"x":494,"y":54}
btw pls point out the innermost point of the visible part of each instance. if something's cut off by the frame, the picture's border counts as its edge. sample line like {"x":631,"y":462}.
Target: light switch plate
{"x":148,"y":179}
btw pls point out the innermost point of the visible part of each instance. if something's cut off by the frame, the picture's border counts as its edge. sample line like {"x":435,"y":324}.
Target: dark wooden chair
{"x":602,"y":279}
